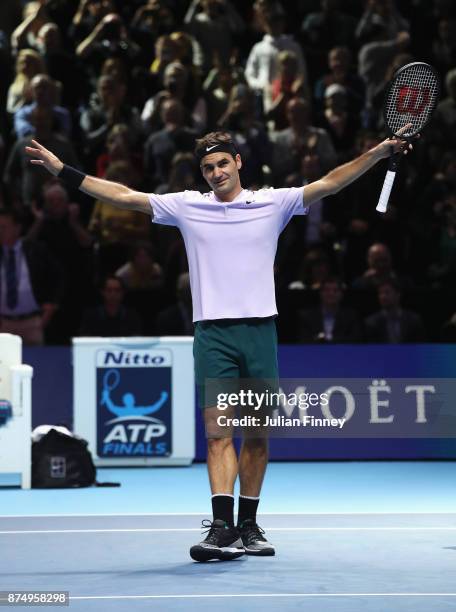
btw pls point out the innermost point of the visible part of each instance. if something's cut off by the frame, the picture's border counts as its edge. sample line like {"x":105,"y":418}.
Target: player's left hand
{"x":395,"y":145}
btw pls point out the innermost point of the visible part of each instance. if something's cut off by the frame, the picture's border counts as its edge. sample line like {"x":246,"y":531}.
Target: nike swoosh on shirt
{"x":210,"y":148}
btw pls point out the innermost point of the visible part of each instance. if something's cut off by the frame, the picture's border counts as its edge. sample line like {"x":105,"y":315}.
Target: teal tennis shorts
{"x":233,"y":349}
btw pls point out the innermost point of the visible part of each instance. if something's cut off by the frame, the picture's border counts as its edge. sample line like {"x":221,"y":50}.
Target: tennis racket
{"x":411,"y":98}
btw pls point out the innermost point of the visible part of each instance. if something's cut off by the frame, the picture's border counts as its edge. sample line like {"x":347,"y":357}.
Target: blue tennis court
{"x":350,"y":536}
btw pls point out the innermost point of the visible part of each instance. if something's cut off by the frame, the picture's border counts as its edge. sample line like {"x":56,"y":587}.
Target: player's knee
{"x":218,"y":445}
{"x":257,"y":446}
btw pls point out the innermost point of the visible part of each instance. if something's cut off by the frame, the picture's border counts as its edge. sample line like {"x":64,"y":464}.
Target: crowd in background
{"x":121,"y":90}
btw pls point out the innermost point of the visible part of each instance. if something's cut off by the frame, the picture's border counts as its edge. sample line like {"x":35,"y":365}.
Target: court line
{"x":191,"y":529}
{"x":204,"y":513}
{"x":253,"y":595}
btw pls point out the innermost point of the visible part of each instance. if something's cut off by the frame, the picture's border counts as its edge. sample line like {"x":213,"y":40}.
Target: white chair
{"x":16,"y":387}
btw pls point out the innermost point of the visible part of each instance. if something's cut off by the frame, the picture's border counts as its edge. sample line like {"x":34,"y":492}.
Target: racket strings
{"x":412,"y":98}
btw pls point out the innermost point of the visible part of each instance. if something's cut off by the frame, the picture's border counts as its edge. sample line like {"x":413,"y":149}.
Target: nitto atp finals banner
{"x":134,"y":403}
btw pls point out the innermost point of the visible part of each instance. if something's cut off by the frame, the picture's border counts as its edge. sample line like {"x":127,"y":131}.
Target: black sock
{"x":223,"y":508}
{"x":247,"y":508}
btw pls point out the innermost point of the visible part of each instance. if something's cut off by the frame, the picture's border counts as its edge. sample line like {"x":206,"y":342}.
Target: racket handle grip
{"x":386,"y":190}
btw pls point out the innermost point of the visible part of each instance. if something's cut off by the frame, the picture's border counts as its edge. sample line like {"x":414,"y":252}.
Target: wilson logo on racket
{"x":413,"y":100}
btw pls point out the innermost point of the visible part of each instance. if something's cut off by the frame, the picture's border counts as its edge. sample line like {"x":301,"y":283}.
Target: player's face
{"x":221,"y":172}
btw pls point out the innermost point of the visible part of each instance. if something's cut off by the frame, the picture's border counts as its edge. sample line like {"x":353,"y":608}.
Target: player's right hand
{"x":43,"y":157}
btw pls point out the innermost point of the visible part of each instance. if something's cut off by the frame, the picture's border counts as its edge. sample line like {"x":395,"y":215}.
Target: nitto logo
{"x":129,"y":358}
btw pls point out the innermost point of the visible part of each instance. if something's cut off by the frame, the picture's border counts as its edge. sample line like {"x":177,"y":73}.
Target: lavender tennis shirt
{"x":230,"y":246}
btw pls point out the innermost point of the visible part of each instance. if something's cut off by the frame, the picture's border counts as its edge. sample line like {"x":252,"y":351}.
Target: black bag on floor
{"x":61,"y":461}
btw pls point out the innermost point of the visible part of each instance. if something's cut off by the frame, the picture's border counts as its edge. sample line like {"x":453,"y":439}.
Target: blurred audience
{"x":121,"y":89}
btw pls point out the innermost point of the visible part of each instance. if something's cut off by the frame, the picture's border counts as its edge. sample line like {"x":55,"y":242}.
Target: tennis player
{"x":231,"y":238}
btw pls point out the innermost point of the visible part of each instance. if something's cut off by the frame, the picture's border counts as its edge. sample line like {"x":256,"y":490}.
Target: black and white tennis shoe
{"x":254,"y":541}
{"x":222,"y":542}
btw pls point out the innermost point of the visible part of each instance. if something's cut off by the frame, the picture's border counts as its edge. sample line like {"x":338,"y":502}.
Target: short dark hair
{"x":333,"y":280}
{"x":16,"y":217}
{"x":212,"y":140}
{"x":112,"y":277}
{"x":390,"y":282}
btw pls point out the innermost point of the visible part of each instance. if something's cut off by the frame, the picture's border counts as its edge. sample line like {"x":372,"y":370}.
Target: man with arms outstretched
{"x":231,"y":238}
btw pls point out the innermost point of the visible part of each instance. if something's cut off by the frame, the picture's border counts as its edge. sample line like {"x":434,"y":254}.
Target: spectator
{"x":188,"y":51}
{"x":105,"y":110}
{"x":381,"y":14}
{"x":213,"y":26}
{"x":262,"y":66}
{"x":88,"y":14}
{"x":314,"y":270}
{"x":176,"y":320}
{"x":392,"y":324}
{"x":61,"y":65}
{"x":286,"y":86}
{"x":165,"y":53}
{"x":44,"y":96}
{"x":119,"y":148}
{"x":57,"y":225}
{"x":149,"y":23}
{"x":218,"y":85}
{"x":339,"y":121}
{"x":442,"y":271}
{"x":161,"y":146}
{"x":29,"y":63}
{"x":379,"y":268}
{"x":250,"y":136}
{"x":319,"y":226}
{"x":323,"y":29}
{"x":115,"y":229}
{"x":183,"y":175}
{"x":34,"y":15}
{"x":23,"y":180}
{"x":116,"y":68}
{"x":10,"y":16}
{"x":444,"y":46}
{"x":398,"y":61}
{"x":341,"y":73}
{"x":373,"y":61}
{"x":330,"y":322}
{"x":30,"y":283}
{"x":109,"y":38}
{"x":178,"y":86}
{"x":141,"y":270}
{"x":360,"y":220}
{"x":444,"y":121}
{"x":292,"y":143}
{"x":111,"y":318}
